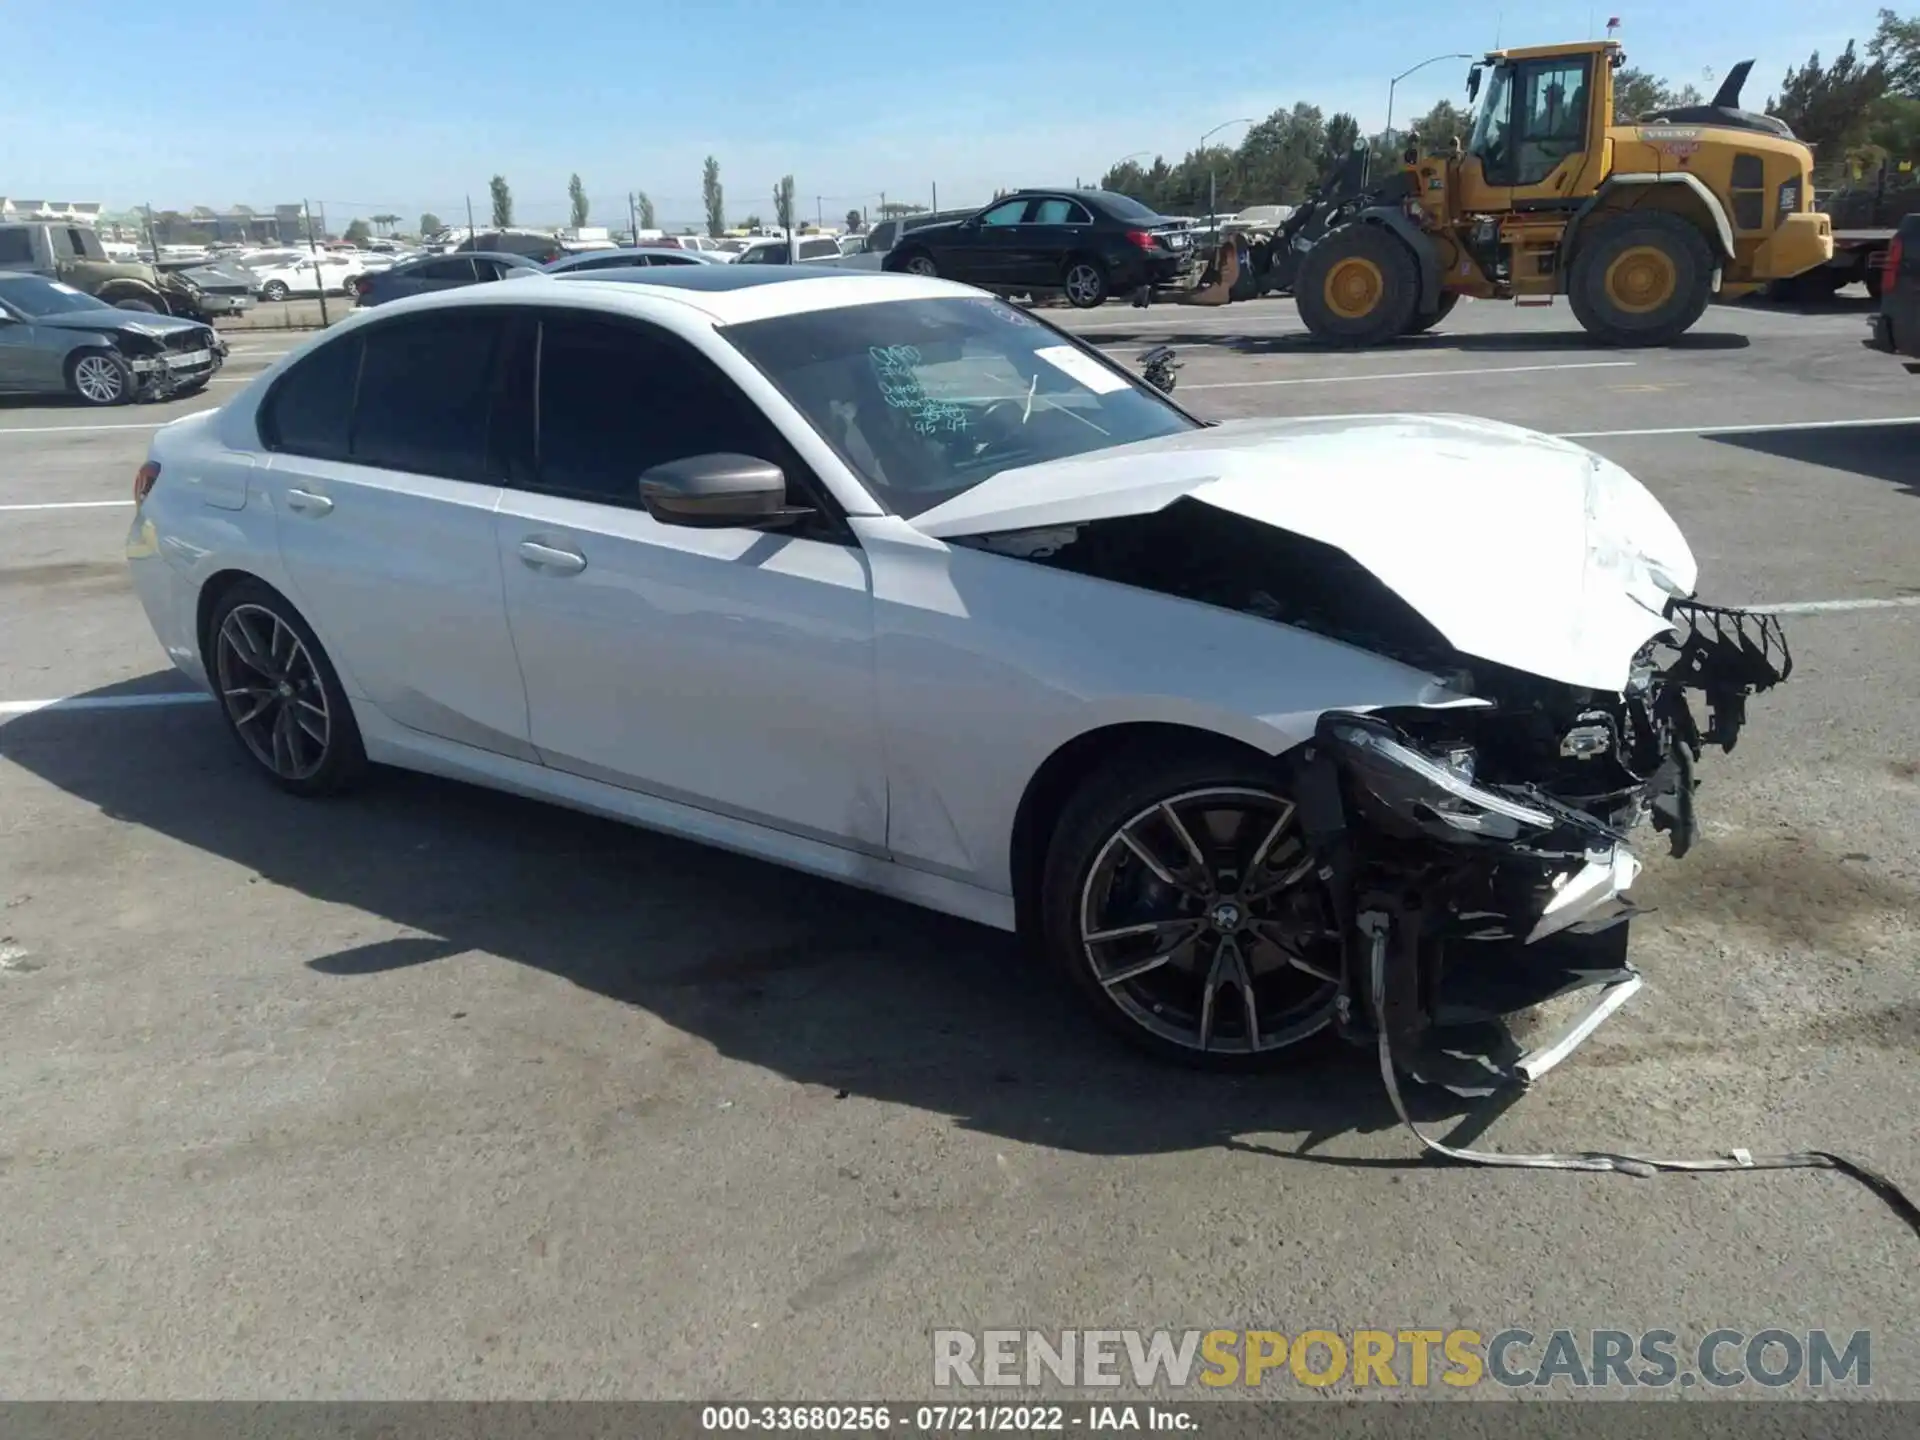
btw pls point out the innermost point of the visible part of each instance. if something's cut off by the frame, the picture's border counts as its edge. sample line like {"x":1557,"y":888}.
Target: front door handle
{"x":305,"y":502}
{"x":549,"y":557}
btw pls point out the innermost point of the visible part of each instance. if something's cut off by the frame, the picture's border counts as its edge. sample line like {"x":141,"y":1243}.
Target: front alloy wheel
{"x":1196,"y":924}
{"x":102,"y":379}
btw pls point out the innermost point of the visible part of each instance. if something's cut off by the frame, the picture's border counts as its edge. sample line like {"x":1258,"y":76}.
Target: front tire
{"x":1358,"y":285}
{"x":1181,"y":904}
{"x":100,"y":377}
{"x":1641,"y":279}
{"x":275,"y":290}
{"x":279,"y":695}
{"x":1420,"y":324}
{"x":919,"y":262}
{"x":1084,"y":282}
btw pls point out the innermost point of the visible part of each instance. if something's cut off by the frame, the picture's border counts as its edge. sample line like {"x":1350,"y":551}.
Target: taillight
{"x":1142,"y":238}
{"x":143,"y":480}
{"x":1896,"y":252}
{"x":362,"y":284}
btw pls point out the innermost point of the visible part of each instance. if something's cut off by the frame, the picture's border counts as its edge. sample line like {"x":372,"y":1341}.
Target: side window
{"x":309,"y":407}
{"x":1007,"y":214}
{"x":881,"y":236}
{"x":1550,"y":111}
{"x":61,"y":241}
{"x":616,"y":399}
{"x":818,"y":249}
{"x":443,"y":270}
{"x":425,"y":394}
{"x":1060,"y":212}
{"x":1749,"y":192}
{"x":16,"y":247}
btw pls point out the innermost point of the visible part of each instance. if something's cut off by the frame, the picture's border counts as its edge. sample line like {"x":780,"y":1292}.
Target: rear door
{"x":384,"y":478}
{"x":1055,"y":228}
{"x":448,"y":273}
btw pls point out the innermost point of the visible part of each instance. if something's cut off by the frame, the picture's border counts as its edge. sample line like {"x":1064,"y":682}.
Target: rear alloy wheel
{"x":1186,"y":910}
{"x":100,"y":377}
{"x":1084,"y":284}
{"x":1359,"y":285}
{"x":920,"y":263}
{"x":279,"y":693}
{"x":275,"y":290}
{"x":1641,"y":279}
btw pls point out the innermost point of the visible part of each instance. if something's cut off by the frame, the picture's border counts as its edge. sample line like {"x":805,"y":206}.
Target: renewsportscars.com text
{"x":1405,"y":1359}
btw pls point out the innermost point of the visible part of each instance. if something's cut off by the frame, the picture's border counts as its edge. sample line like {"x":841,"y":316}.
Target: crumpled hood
{"x":124,"y":322}
{"x":1521,"y":549}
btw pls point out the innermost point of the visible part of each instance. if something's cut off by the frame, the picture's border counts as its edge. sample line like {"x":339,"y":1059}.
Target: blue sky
{"x":401,"y":106}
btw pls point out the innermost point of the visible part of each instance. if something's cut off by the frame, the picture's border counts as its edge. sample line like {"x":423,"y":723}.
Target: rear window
{"x":16,"y":247}
{"x":425,"y":393}
{"x":309,"y":407}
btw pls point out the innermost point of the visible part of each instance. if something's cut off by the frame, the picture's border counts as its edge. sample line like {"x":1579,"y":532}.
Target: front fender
{"x":1410,"y":234}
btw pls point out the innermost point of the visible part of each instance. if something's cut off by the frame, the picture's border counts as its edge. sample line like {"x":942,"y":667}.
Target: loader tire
{"x":1420,"y":324}
{"x":1359,"y":285}
{"x":1641,"y":279}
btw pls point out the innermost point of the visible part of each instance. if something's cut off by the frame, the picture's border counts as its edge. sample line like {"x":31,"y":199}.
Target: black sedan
{"x":54,"y":340}
{"x":431,"y":273}
{"x":1085,"y":244}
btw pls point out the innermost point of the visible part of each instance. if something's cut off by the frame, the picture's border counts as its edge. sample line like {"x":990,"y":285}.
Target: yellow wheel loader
{"x":1640,"y":225}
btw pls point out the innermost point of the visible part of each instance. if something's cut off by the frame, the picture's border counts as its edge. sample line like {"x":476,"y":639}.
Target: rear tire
{"x":919,"y":262}
{"x":1876,"y":281}
{"x":275,"y":290}
{"x":1358,"y":285}
{"x":1641,"y":279}
{"x":1084,"y":283}
{"x":1164,"y":983}
{"x":279,"y":695}
{"x":1420,"y":324}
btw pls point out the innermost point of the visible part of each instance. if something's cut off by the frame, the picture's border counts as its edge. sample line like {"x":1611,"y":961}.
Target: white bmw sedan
{"x":1255,"y":729}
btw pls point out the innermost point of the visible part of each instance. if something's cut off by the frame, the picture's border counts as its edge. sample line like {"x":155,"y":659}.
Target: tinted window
{"x":61,"y":241}
{"x":307,"y":412}
{"x":1125,"y":207}
{"x":764,"y":255}
{"x":1007,"y":214}
{"x":16,"y":247}
{"x":616,"y":399}
{"x":819,"y":249}
{"x":881,"y":236}
{"x":441,"y":270}
{"x":425,"y":394}
{"x":1060,"y":212}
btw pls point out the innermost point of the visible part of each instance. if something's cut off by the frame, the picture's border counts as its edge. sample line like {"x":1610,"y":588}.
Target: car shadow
{"x":1889,"y":451}
{"x":828,"y":986}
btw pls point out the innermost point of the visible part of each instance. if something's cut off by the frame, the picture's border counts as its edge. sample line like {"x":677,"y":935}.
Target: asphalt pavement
{"x":428,"y":1092}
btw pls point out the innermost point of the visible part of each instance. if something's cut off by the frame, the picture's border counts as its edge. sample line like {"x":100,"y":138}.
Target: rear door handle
{"x":549,"y":557}
{"x":305,"y":502}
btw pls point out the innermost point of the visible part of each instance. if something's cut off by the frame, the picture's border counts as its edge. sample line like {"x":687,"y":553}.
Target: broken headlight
{"x":1437,"y":793}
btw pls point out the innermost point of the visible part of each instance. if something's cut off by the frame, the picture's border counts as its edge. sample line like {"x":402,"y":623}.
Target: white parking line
{"x":1409,"y":375}
{"x":105,"y":702}
{"x":1291,"y":321}
{"x":6,"y":430}
{"x":1823,"y":607}
{"x":68,"y":505}
{"x":1742,"y":429}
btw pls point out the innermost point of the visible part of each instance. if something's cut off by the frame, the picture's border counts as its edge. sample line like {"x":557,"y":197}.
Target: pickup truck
{"x":1896,"y":329}
{"x":73,"y":255}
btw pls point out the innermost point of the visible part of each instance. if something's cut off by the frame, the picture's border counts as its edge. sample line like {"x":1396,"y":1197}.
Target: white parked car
{"x":880,"y":578}
{"x":305,"y":275}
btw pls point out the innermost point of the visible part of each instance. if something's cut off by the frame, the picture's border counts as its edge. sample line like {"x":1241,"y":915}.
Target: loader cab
{"x":1540,"y":128}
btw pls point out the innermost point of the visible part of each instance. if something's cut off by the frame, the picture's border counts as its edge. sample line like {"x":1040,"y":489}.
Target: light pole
{"x":1212,"y":193}
{"x":1391,"y":84}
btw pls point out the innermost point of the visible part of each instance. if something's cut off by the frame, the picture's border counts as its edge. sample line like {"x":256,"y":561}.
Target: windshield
{"x":924,"y":399}
{"x":35,"y":297}
{"x":1490,"y":125}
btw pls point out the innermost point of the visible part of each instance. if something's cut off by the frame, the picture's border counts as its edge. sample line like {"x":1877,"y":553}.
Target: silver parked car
{"x":55,"y":340}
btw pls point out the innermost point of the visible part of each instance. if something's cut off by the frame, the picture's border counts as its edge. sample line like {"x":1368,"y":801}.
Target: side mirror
{"x":719,"y":492}
{"x":1473,"y":84}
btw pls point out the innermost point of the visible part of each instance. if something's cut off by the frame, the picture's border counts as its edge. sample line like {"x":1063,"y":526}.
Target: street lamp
{"x":1212,"y":189}
{"x":1459,"y":55}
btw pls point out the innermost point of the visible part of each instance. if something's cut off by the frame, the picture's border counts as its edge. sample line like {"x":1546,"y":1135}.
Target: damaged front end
{"x":1487,"y":849}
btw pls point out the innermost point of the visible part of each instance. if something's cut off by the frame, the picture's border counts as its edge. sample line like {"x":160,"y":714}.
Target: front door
{"x":990,"y":245}
{"x":1529,"y":143}
{"x":384,"y":483}
{"x":31,"y":358}
{"x":729,"y":669}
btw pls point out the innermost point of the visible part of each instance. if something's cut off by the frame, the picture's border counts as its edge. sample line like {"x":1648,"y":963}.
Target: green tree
{"x":383,"y":224}
{"x":1636,"y":93}
{"x":1831,"y":107}
{"x":1343,"y":133}
{"x":1436,"y":130}
{"x":752,"y":222}
{"x":714,"y":198}
{"x":1896,"y":45}
{"x":577,"y":200}
{"x":429,"y":222}
{"x":643,"y":209}
{"x":357,"y":232}
{"x":783,"y":203}
{"x":502,"y":201}
{"x":854,"y":223}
